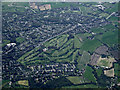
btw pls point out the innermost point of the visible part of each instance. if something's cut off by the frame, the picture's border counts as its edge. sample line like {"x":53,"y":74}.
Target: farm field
{"x":76,"y":79}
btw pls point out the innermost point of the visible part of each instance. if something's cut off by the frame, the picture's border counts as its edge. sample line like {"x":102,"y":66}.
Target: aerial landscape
{"x":60,"y":45}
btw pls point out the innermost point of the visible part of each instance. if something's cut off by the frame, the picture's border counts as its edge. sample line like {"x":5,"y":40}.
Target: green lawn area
{"x":64,"y":50}
{"x":51,"y":42}
{"x":22,"y":4}
{"x":99,"y":72}
{"x":82,"y":86}
{"x":77,"y":42}
{"x":104,"y":62}
{"x":109,"y":27}
{"x":74,"y":55}
{"x":110,"y":38}
{"x":91,"y":45}
{"x":97,"y":30}
{"x":117,"y":69}
{"x":5,"y":83}
{"x":69,"y":42}
{"x":88,"y":75}
{"x":83,"y":60}
{"x":82,"y":36}
{"x":61,"y":40}
{"x":26,"y":56}
{"x":16,"y":7}
{"x":75,"y":79}
{"x":5,"y":42}
{"x":104,"y":15}
{"x":114,"y":8}
{"x":20,"y":40}
{"x":113,"y":18}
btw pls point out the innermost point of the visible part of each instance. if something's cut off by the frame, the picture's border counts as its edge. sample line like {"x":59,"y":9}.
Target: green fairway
{"x":77,"y":42}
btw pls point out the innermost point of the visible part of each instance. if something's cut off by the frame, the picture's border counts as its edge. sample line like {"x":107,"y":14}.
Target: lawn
{"x":4,"y":83}
{"x":75,"y":79}
{"x":16,"y":7}
{"x":117,"y":69}
{"x":20,"y":39}
{"x":74,"y":55}
{"x":82,"y":86}
{"x":88,"y":75}
{"x":77,"y":42}
{"x":114,"y":8}
{"x":99,"y":72}
{"x":83,"y":60}
{"x":97,"y":30}
{"x":110,"y":38}
{"x":5,"y":42}
{"x":91,"y":45}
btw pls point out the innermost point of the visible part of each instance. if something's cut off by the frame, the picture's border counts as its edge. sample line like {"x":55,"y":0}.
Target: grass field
{"x":20,"y":40}
{"x":82,"y":86}
{"x":77,"y":42}
{"x":91,"y":45}
{"x":88,"y":75}
{"x":5,"y":42}
{"x":110,"y":37}
{"x":114,"y":8}
{"x":117,"y":69}
{"x":5,"y":83}
{"x":99,"y":71}
{"x":76,"y":79}
{"x":14,"y":7}
{"x":83,"y":60}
